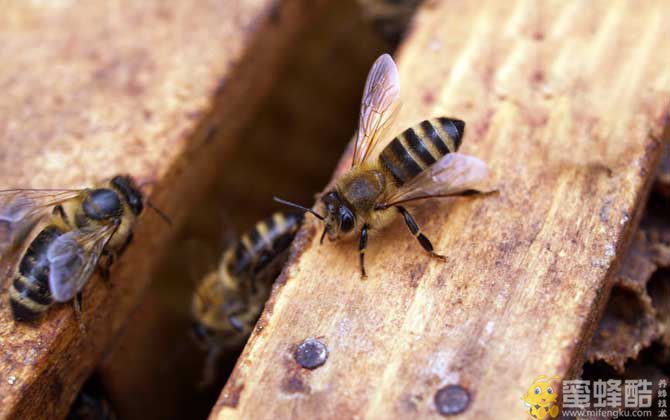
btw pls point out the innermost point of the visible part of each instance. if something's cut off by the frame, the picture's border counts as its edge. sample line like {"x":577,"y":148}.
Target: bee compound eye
{"x":346,"y":219}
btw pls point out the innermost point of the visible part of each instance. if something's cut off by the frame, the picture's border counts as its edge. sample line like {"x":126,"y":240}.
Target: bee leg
{"x":78,"y":304}
{"x":209,"y":370}
{"x":423,"y":240}
{"x":235,"y":322}
{"x":362,"y":246}
{"x":128,"y":241}
{"x":105,"y":264}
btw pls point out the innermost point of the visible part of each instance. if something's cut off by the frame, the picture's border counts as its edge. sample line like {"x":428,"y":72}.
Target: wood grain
{"x":156,"y":90}
{"x":567,"y":104}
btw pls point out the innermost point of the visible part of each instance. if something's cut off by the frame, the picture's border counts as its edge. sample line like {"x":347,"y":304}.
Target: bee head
{"x":131,"y":193}
{"x":339,"y":219}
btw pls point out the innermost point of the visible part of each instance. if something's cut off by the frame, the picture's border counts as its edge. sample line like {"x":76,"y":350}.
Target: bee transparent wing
{"x":380,"y":99}
{"x":453,"y":174}
{"x":21,"y":209}
{"x":72,"y":258}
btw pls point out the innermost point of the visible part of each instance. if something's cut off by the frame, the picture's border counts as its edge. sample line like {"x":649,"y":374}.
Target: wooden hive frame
{"x":568,"y":106}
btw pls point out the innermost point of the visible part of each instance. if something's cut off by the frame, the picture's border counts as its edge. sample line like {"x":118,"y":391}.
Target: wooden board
{"x":154,"y":89}
{"x":567,"y":104}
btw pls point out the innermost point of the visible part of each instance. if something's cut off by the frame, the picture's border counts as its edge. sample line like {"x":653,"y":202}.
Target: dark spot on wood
{"x":482,"y":126}
{"x":311,"y":353}
{"x":134,"y":88}
{"x":408,"y":402}
{"x":428,"y":97}
{"x":451,"y":400}
{"x":164,"y":14}
{"x":441,"y":280}
{"x":231,"y":395}
{"x":416,"y":271}
{"x":605,"y":210}
{"x":293,"y":384}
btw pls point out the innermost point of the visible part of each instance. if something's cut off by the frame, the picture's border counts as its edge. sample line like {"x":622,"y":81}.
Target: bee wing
{"x":21,"y":209}
{"x":453,"y":174}
{"x":72,"y":258}
{"x":380,"y":98}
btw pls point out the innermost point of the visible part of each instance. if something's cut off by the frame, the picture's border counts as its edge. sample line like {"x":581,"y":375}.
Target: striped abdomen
{"x":420,"y":146}
{"x":29,"y":295}
{"x":264,"y":242}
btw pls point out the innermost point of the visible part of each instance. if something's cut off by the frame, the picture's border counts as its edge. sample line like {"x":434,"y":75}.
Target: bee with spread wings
{"x":60,"y":236}
{"x":419,"y":163}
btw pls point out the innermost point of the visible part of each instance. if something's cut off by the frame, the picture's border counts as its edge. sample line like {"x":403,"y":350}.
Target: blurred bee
{"x":92,"y":403}
{"x":228,"y":301}
{"x":61,"y":236}
{"x":419,"y":163}
{"x":390,"y":17}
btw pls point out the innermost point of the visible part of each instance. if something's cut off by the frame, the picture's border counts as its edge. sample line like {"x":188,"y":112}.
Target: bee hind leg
{"x":78,"y":304}
{"x":414,"y":229}
{"x":362,"y":246}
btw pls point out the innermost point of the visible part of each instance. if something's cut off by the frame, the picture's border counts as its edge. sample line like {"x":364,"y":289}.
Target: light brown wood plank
{"x":566,"y":103}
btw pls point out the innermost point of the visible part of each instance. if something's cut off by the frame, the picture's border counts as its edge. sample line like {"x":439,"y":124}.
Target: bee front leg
{"x":362,"y":246}
{"x":105,"y":264}
{"x":423,"y":240}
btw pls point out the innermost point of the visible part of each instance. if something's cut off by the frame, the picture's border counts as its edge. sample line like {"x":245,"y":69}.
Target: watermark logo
{"x":611,"y":398}
{"x":540,"y":400}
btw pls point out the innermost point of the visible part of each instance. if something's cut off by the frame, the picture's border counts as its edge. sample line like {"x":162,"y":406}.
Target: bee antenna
{"x":298,"y":206}
{"x":160,"y":213}
{"x":145,"y":183}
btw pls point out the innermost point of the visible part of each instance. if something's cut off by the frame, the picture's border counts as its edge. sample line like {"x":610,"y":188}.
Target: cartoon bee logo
{"x":541,"y":398}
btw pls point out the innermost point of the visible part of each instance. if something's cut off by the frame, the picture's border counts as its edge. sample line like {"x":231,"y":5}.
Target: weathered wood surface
{"x":154,"y":89}
{"x":638,"y":311}
{"x":566,"y":103}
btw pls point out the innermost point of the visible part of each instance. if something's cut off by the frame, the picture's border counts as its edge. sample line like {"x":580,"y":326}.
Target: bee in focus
{"x":418,"y":164}
{"x":229,"y":300}
{"x":60,"y":237}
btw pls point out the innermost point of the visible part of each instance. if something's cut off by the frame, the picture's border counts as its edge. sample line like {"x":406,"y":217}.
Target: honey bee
{"x":68,"y":234}
{"x":229,"y":300}
{"x":418,"y":164}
